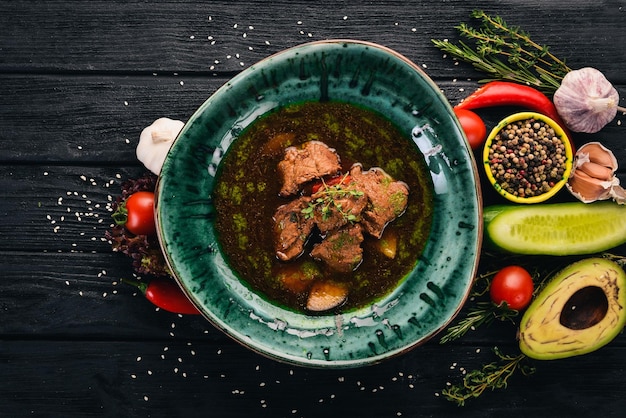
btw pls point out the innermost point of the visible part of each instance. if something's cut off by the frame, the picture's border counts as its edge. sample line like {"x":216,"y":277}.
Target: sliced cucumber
{"x":556,"y":229}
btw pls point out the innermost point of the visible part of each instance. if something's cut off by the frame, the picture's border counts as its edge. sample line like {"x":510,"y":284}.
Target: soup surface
{"x":247,"y":196}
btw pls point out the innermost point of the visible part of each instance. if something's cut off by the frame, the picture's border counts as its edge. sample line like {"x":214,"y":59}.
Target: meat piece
{"x":341,"y":249}
{"x":340,"y":205}
{"x":292,"y":229}
{"x":387,"y":198}
{"x":300,"y":165}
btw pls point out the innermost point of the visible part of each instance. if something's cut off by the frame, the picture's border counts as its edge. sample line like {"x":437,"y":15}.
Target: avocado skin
{"x":544,"y":333}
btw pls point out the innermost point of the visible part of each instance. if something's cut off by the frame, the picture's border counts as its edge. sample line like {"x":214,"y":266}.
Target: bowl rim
{"x":560,"y":133}
{"x":477,"y":241}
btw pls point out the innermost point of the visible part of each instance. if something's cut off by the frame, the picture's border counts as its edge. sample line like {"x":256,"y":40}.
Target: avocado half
{"x":580,"y":310}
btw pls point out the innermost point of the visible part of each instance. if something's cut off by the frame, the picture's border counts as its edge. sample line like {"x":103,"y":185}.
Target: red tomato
{"x":513,"y":285}
{"x":473,"y":126}
{"x":140,"y":213}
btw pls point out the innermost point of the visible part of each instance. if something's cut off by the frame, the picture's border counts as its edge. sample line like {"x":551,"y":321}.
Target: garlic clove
{"x":586,"y":100}
{"x":599,"y":154}
{"x":596,"y":171}
{"x":586,"y":188}
{"x":593,"y":176}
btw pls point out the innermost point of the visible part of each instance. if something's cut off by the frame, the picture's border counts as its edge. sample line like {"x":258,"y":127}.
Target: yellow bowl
{"x":559,"y":133}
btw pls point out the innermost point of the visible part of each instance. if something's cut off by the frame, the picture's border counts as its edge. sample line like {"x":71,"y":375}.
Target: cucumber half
{"x":556,"y":229}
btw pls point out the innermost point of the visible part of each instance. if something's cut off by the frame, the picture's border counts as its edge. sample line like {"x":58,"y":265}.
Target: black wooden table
{"x":79,"y":80}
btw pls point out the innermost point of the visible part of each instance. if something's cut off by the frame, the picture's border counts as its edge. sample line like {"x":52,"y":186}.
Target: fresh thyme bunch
{"x":506,"y":53}
{"x":492,"y":376}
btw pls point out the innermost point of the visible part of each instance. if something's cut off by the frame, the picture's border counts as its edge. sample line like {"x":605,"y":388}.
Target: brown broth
{"x":246,"y":197}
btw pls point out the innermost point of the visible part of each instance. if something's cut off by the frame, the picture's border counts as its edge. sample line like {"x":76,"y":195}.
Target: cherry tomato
{"x":139,"y":211}
{"x":513,"y":285}
{"x":473,"y":126}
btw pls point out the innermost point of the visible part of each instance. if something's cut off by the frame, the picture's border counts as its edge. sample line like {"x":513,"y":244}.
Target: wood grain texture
{"x":79,"y":80}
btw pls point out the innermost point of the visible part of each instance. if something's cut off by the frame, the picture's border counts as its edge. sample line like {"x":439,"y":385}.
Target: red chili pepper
{"x":165,"y":294}
{"x":504,"y":93}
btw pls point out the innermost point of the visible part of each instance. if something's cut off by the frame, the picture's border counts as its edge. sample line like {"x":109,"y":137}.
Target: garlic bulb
{"x":155,"y":142}
{"x":593,"y":175}
{"x":586,"y":100}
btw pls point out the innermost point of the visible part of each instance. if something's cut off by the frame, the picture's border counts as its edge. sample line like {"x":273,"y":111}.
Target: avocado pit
{"x":585,"y":308}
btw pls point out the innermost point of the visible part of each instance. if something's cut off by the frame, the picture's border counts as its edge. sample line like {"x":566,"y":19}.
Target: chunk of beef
{"x":292,"y":229}
{"x":340,"y":205}
{"x":387,"y":198}
{"x":300,"y":165}
{"x":341,"y":249}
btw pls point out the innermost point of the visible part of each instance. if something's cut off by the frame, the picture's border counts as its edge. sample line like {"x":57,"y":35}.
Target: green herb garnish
{"x":327,"y":201}
{"x":506,"y":53}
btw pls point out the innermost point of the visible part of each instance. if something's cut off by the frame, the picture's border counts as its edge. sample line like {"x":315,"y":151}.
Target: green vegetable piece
{"x":580,"y":310}
{"x":571,"y":228}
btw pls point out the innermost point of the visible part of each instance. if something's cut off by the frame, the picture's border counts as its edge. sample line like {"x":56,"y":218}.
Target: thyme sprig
{"x":506,"y":53}
{"x":492,"y":376}
{"x":328,"y":200}
{"x":481,"y":314}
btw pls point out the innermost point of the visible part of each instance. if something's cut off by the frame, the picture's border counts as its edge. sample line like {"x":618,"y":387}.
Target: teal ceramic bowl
{"x":423,"y":303}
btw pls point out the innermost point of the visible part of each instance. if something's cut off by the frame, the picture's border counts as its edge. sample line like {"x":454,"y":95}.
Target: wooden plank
{"x":173,"y":378}
{"x":225,"y":36}
{"x":74,"y":296}
{"x":38,"y":123}
{"x":51,"y":118}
